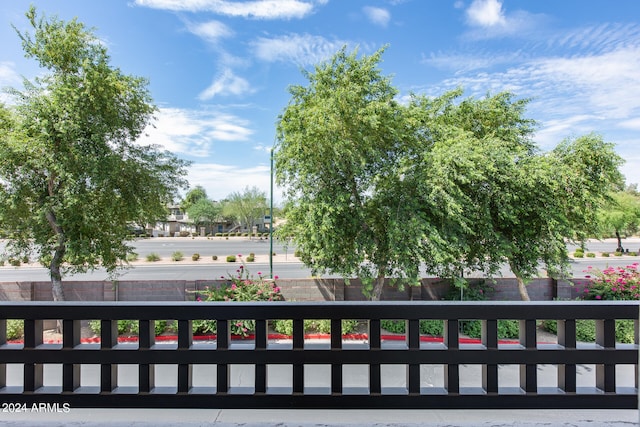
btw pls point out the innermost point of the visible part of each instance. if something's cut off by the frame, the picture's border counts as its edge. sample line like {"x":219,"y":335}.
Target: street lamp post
{"x":271,"y":221}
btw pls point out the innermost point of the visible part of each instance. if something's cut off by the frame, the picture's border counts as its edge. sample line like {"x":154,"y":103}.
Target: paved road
{"x":284,"y":265}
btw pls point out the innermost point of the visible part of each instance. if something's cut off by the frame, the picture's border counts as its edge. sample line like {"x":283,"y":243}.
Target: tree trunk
{"x":522,"y":289}
{"x":377,"y":288}
{"x":619,"y":248}
{"x":58,"y":256}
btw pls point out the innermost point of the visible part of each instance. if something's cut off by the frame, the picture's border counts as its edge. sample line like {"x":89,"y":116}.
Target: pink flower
{"x":239,"y":255}
{"x":198,"y":299}
{"x":233,"y":287}
{"x":276,"y":289}
{"x":588,"y":277}
{"x":598,"y":297}
{"x":259,"y":273}
{"x":275,"y":277}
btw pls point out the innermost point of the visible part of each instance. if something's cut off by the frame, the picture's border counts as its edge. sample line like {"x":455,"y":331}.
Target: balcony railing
{"x":371,"y":371}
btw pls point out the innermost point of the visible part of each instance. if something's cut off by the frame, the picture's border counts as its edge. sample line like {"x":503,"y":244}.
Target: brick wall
{"x":431,"y":289}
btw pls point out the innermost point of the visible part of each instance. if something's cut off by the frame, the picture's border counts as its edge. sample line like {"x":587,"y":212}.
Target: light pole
{"x":271,"y":221}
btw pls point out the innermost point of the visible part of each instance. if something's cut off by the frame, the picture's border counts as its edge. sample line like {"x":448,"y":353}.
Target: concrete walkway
{"x":321,"y":418}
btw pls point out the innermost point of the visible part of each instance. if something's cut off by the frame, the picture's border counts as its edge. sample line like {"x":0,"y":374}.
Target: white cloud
{"x":226,"y":83}
{"x":195,"y":132}
{"x":8,"y":74}
{"x":633,"y":124}
{"x":489,"y":20}
{"x":211,"y":31}
{"x":221,"y":180}
{"x":377,"y":15}
{"x":299,"y":49}
{"x":486,"y":13}
{"x":257,"y":9}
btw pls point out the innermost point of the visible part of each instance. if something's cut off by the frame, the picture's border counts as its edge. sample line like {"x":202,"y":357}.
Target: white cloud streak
{"x":257,"y":9}
{"x":195,"y":132}
{"x":227,"y":83}
{"x":211,"y":31}
{"x":300,"y":49}
{"x":486,"y":13}
{"x":377,"y":15}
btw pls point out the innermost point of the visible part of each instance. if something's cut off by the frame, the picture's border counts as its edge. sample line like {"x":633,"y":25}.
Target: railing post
{"x":606,"y":338}
{"x":336,"y":346}
{"x":146,"y":371}
{"x":108,"y":340}
{"x":452,"y":370}
{"x":528,"y":371}
{"x":33,"y":379}
{"x":567,"y":339}
{"x":222,"y":369}
{"x":70,"y":339}
{"x":375,"y":380}
{"x":261,"y":347}
{"x":298,"y":346}
{"x":413,"y":375}
{"x":185,"y":370}
{"x":490,"y":342}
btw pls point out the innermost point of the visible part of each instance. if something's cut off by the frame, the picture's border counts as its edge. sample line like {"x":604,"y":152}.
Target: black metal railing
{"x":267,"y":372}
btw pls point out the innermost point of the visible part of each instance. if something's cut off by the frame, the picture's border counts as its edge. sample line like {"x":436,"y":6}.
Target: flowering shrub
{"x":613,"y":283}
{"x":241,"y":287}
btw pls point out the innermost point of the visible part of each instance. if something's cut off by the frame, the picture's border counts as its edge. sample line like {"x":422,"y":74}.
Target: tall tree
{"x":337,"y":156}
{"x":192,"y":197}
{"x":621,"y":216}
{"x":204,"y":213}
{"x":246,"y":206}
{"x":72,"y":175}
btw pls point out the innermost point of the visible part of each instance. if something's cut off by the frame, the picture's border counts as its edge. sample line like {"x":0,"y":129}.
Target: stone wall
{"x":293,"y":290}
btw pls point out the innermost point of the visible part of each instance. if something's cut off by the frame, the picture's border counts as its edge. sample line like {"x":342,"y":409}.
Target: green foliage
{"x":241,"y":287}
{"x":322,"y":326}
{"x":591,"y":255}
{"x":613,"y":283}
{"x":15,"y":329}
{"x":204,"y":213}
{"x":214,"y":257}
{"x":195,"y":257}
{"x":153,"y":257}
{"x":131,"y":327}
{"x":74,"y":174}
{"x":177,"y":256}
{"x":427,"y":327}
{"x":132,"y":256}
{"x":605,"y":254}
{"x":578,"y":254}
{"x":586,"y":330}
{"x":246,"y":206}
{"x":192,"y":197}
{"x":231,"y":258}
{"x":251,"y":258}
{"x":617,"y":253}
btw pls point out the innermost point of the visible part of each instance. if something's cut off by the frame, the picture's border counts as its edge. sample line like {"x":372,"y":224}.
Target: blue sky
{"x":219,"y":69}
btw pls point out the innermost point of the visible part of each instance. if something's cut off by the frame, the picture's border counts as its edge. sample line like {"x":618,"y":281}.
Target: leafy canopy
{"x":73,"y":175}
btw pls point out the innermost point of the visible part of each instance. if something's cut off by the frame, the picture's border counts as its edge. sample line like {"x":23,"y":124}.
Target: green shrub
{"x":616,"y":253}
{"x":131,"y":327}
{"x":586,"y":330}
{"x":591,"y":255}
{"x":184,"y":234}
{"x":252,"y":254}
{"x":152,"y":257}
{"x":177,"y":256}
{"x":297,"y":253}
{"x":231,"y":258}
{"x":132,"y":256}
{"x":578,"y":254}
{"x":15,"y":329}
{"x":14,"y":262}
{"x":605,"y":254}
{"x":613,"y":283}
{"x":1,"y":263}
{"x":218,"y":234}
{"x":632,"y":254}
{"x":322,"y":326}
{"x":214,"y":257}
{"x":427,"y":327}
{"x":251,"y":258}
{"x":195,"y":257}
{"x":245,"y":234}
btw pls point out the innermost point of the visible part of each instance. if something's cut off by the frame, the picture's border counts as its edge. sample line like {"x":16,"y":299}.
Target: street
{"x":285,"y":265}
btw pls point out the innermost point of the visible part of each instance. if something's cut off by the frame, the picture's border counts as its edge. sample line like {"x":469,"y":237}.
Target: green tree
{"x":351,"y":210}
{"x":72,"y":175}
{"x":621,"y":216}
{"x":204,"y":213}
{"x":192,"y":197}
{"x":246,"y":206}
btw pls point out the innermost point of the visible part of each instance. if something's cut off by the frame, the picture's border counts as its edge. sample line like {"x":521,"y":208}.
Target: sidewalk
{"x":322,"y":418}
